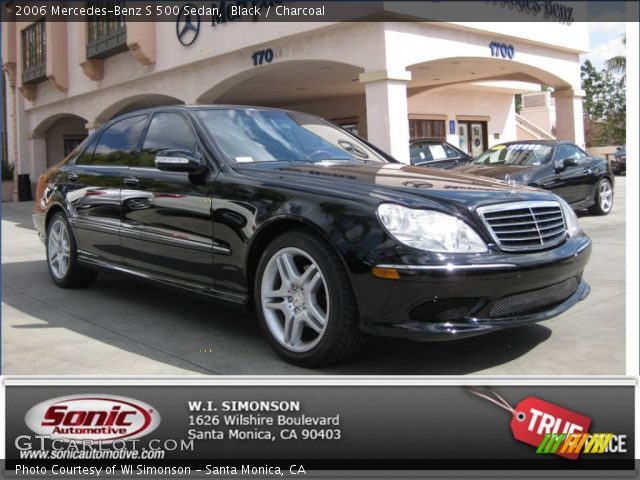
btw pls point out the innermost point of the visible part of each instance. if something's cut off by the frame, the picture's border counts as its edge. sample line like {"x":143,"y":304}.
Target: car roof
{"x":426,"y":139}
{"x":537,"y":142}
{"x":164,"y":108}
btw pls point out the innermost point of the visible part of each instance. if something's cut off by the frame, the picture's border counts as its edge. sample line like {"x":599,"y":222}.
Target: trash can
{"x":24,"y":188}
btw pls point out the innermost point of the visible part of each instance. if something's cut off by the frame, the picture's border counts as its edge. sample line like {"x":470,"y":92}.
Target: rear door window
{"x":118,"y":145}
{"x":420,"y":153}
{"x":84,"y":151}
{"x":451,"y":152}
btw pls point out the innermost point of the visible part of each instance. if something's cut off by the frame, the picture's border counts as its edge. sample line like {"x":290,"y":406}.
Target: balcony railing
{"x":34,"y":53}
{"x":107,"y":35}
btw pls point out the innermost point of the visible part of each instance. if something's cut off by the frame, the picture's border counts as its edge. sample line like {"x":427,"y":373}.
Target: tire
{"x":313,"y":297}
{"x":603,"y":198}
{"x":62,"y":256}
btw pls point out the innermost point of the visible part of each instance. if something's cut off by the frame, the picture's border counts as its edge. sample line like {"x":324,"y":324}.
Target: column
{"x":92,"y":127}
{"x":569,"y":120}
{"x":38,"y":155}
{"x":387,"y":112}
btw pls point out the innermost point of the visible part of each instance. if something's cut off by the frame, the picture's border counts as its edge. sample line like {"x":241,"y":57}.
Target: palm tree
{"x":618,"y":64}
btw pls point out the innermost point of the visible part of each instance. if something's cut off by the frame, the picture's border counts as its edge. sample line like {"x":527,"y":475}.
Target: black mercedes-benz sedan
{"x":324,"y":235}
{"x":562,"y":167}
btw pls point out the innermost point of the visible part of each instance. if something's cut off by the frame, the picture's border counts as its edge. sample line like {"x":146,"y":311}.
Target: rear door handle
{"x":131,"y":181}
{"x":72,"y":177}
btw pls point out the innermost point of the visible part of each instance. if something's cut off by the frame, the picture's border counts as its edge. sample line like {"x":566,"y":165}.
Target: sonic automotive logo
{"x":98,"y":417}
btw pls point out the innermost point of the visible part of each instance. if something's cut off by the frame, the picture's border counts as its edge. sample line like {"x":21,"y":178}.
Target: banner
{"x":284,"y":429}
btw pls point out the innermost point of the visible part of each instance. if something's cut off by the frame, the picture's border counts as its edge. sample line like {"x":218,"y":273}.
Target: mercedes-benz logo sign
{"x":187,"y":25}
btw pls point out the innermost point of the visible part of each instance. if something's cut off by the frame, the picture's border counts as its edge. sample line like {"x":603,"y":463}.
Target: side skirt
{"x":163,"y":281}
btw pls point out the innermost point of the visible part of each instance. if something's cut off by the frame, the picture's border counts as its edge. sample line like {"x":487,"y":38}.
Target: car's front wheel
{"x":603,"y":198}
{"x":305,"y":302}
{"x":62,"y":256}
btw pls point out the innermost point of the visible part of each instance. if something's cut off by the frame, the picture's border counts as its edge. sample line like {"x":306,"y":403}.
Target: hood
{"x":407,"y":184}
{"x":518,"y":173}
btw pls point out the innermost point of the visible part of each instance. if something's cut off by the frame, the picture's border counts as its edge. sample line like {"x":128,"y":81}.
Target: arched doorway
{"x":470,"y":101}
{"x":60,"y":134}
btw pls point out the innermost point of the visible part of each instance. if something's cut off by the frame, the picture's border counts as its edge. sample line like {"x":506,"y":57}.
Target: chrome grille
{"x":522,"y":226}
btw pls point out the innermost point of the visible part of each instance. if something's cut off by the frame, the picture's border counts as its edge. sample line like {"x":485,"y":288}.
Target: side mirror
{"x":570,"y":162}
{"x":179,"y":161}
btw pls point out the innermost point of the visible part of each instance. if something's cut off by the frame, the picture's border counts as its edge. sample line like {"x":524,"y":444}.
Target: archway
{"x":61,"y":134}
{"x":287,"y":83}
{"x":321,"y":87}
{"x":462,"y":70}
{"x":472,"y":101}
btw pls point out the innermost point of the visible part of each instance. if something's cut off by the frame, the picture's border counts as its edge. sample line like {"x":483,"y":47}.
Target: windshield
{"x":520,"y":154}
{"x":430,"y":151}
{"x":251,"y":135}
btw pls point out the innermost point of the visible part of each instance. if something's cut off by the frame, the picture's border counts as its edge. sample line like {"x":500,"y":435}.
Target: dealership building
{"x":388,"y":81}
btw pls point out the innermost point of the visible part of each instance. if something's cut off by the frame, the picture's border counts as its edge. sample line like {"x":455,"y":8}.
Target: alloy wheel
{"x":605,"y":196}
{"x":295,"y":299}
{"x":59,"y":248}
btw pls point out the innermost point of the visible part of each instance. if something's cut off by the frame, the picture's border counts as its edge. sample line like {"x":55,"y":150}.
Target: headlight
{"x":570,"y":218}
{"x":429,"y":230}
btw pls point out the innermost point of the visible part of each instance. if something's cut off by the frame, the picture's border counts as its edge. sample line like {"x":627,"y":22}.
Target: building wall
{"x":452,"y":103}
{"x":522,"y":134}
{"x":542,"y":117}
{"x":67,"y":127}
{"x":337,"y":109}
{"x":417,"y":43}
{"x":540,"y":109}
{"x":382,"y":60}
{"x":603,"y":151}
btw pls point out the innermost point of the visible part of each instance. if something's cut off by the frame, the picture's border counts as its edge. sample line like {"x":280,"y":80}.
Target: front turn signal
{"x":386,"y":273}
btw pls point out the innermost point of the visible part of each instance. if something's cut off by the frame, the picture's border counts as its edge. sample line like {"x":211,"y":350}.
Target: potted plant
{"x":7,"y":181}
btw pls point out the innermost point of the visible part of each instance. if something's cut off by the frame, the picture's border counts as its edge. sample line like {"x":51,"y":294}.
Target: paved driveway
{"x":122,"y":327}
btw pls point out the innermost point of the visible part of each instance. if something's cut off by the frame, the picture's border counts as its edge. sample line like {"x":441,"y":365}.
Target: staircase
{"x":530,"y":131}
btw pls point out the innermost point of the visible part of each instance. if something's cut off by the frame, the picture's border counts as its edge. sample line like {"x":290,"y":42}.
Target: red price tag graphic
{"x":533,"y":419}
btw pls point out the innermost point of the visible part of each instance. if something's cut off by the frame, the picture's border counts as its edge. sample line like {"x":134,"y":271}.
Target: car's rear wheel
{"x":603,"y":198}
{"x":305,"y":302}
{"x":62,"y":256}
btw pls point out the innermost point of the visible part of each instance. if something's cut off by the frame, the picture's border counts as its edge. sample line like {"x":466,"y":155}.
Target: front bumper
{"x":450,"y":301}
{"x":39,"y":219}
